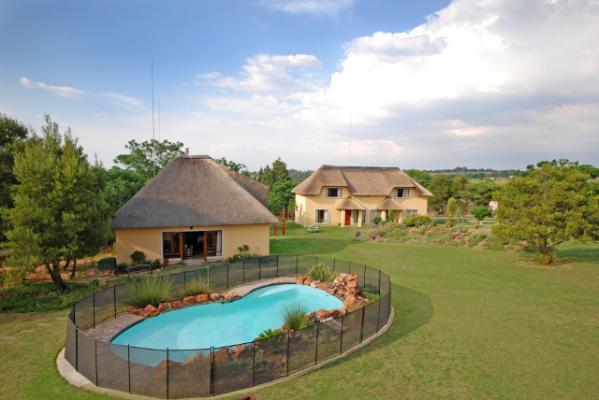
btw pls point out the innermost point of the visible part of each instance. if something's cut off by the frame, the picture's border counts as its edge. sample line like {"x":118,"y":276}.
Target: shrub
{"x":241,"y":257}
{"x":138,"y":257}
{"x":121,"y":268}
{"x":418,"y":220}
{"x":377,"y":220}
{"x":270,"y":333}
{"x":156,"y":264}
{"x":148,"y":291}
{"x":320,"y":273}
{"x":481,"y":212}
{"x":370,"y":295}
{"x":107,"y":264}
{"x":295,"y":318}
{"x":193,"y":287}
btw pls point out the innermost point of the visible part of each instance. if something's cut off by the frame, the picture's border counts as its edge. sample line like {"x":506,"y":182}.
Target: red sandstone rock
{"x":202,"y":298}
{"x":176,"y":304}
{"x":307,"y":281}
{"x":336,"y":313}
{"x":322,"y":313}
{"x":300,"y":279}
{"x":153,"y":313}
{"x":189,"y":300}
{"x":349,"y":301}
{"x":149,"y":308}
{"x":230,"y":296}
{"x":215,"y":297}
{"x":162,"y":307}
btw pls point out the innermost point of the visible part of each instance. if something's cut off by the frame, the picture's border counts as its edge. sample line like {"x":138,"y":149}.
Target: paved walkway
{"x":248,"y":287}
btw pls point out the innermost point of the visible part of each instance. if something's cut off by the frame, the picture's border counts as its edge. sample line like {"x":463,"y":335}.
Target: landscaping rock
{"x":149,"y":308}
{"x":189,"y":300}
{"x":307,"y":281}
{"x":300,"y":279}
{"x":162,"y":307}
{"x":229,"y":296}
{"x":202,"y":298}
{"x":322,"y":314}
{"x":176,"y":304}
{"x":215,"y":297}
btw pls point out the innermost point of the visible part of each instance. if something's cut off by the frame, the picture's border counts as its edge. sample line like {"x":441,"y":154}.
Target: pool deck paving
{"x":108,"y":329}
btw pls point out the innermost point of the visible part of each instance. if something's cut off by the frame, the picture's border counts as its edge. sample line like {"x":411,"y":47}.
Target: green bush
{"x":295,"y":318}
{"x":377,"y":220}
{"x":194,"y":287}
{"x":270,"y":333}
{"x":121,"y":268}
{"x":107,"y":264}
{"x":43,"y":296}
{"x":321,"y":273}
{"x":241,"y":257}
{"x":418,"y":220}
{"x":156,"y":264}
{"x":138,"y":257}
{"x":370,"y":295}
{"x":148,"y":291}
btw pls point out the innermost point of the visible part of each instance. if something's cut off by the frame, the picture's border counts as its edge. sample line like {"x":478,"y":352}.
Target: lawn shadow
{"x":580,"y":254}
{"x":308,"y":246}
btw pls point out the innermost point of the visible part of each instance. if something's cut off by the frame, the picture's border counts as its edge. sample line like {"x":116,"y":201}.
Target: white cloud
{"x":63,"y":91}
{"x":124,"y":100}
{"x":316,"y":7}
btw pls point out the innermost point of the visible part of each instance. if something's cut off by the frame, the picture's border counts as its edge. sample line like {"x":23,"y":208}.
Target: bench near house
{"x":355,"y":196}
{"x":194,"y":209}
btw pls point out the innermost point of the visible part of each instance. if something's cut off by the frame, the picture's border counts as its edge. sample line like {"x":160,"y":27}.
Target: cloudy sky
{"x":478,"y":83}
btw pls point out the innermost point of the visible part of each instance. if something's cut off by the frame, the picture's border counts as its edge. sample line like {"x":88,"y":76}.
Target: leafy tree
{"x":480,"y":213}
{"x":458,"y":187}
{"x":232,"y":165}
{"x":441,"y":188}
{"x":422,"y":177}
{"x":12,"y":135}
{"x":481,"y":192}
{"x":279,"y":171}
{"x":59,"y":210}
{"x":265,"y":176}
{"x":280,"y":196}
{"x":554,"y":202}
{"x":456,"y":208}
{"x":149,"y":157}
{"x":121,"y":185}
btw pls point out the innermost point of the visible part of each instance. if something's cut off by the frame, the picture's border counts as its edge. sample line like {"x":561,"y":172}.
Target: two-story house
{"x":356,"y":196}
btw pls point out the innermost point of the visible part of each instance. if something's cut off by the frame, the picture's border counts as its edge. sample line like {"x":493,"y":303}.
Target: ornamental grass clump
{"x":270,"y":333}
{"x":296,"y":319}
{"x":148,"y":291}
{"x":194,"y":287}
{"x":321,"y":273}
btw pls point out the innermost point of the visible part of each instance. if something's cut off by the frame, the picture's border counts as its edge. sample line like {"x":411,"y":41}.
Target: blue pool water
{"x":224,"y":324}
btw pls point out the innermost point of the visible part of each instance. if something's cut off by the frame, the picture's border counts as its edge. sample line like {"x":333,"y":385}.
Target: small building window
{"x":322,"y":216}
{"x":333,"y":192}
{"x":402,"y":192}
{"x":411,"y":212}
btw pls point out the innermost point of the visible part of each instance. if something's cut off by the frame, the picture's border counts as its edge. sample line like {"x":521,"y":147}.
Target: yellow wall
{"x":306,"y":206}
{"x":149,"y":240}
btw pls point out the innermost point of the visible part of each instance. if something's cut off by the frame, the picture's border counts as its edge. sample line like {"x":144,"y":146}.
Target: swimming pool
{"x":224,"y":324}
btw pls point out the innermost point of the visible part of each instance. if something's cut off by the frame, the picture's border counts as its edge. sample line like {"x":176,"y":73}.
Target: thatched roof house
{"x":194,"y":208}
{"x":355,"y":196}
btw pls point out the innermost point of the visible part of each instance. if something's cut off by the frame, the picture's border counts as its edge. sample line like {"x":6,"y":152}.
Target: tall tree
{"x":441,"y":188}
{"x":280,"y":196}
{"x":422,"y":177}
{"x":232,"y":165}
{"x":554,"y":202}
{"x":121,"y":185}
{"x":59,"y":208}
{"x":12,"y":135}
{"x":149,"y":157}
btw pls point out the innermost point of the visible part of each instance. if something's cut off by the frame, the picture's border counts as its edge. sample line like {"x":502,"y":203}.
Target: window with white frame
{"x":411,"y":212}
{"x":322,"y":216}
{"x":401,"y":192}
{"x":333,"y":192}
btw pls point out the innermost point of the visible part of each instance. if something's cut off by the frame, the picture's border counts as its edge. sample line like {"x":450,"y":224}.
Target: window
{"x":333,"y":192}
{"x":411,"y":212}
{"x":354,"y":214}
{"x":402,"y":192}
{"x":374,"y":214}
{"x":322,"y":216}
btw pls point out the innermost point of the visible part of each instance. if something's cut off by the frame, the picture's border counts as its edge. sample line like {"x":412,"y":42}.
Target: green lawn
{"x":470,"y":323}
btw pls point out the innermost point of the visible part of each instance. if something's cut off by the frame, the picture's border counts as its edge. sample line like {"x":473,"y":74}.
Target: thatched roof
{"x":361,"y":181}
{"x":349,"y":203}
{"x":196,"y":191}
{"x":389,"y":203}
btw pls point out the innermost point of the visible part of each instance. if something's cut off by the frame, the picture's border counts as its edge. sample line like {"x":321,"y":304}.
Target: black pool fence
{"x":176,"y":373}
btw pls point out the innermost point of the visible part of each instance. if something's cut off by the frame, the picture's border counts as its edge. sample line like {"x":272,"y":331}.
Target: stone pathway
{"x":246,"y":288}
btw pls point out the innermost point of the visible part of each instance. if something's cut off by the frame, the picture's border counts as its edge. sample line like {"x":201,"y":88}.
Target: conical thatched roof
{"x":361,"y":181}
{"x":196,"y":191}
{"x":349,"y":203}
{"x":389,"y":203}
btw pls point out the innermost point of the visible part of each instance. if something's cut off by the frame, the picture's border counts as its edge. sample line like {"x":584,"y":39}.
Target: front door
{"x":347,"y":217}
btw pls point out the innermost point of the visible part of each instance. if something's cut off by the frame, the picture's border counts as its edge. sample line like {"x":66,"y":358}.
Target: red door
{"x":347,"y":217}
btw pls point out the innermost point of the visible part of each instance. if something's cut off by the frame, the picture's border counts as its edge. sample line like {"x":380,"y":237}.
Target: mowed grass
{"x":470,"y":324}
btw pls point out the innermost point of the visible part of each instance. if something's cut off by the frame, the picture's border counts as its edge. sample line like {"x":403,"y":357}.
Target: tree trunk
{"x":66,"y":264}
{"x":54,"y":272}
{"x":74,"y":269}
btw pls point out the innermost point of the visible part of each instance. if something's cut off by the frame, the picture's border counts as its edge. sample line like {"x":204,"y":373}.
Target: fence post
{"x":362,"y":325}
{"x":287,"y":357}
{"x":208,"y":276}
{"x":296,"y":264}
{"x":167,"y":372}
{"x":94,"y":308}
{"x":212,"y":370}
{"x":184,"y":280}
{"x":76,"y":348}
{"x":379,"y":283}
{"x":96,"y":361}
{"x":316,"y":351}
{"x":243,"y":271}
{"x":277,"y":265}
{"x":341,"y":338}
{"x":228,"y":275}
{"x":378,"y":317}
{"x":364,"y":281}
{"x":114,"y":299}
{"x":259,"y":267}
{"x":129,"y":366}
{"x":253,"y":363}
{"x":334,"y":264}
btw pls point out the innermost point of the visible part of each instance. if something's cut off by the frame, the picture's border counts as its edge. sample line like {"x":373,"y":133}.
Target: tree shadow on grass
{"x":308,"y":246}
{"x":580,"y":254}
